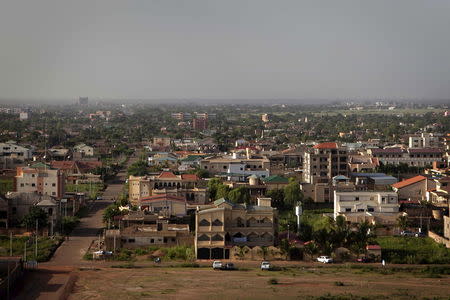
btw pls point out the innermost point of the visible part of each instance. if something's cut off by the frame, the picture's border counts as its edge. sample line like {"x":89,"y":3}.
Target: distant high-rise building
{"x":200,"y":123}
{"x":83,"y":101}
{"x":265,"y":117}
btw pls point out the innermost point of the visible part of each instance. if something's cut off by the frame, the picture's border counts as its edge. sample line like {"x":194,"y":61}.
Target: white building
{"x":84,"y":149}
{"x":23,"y":116}
{"x":425,"y":140}
{"x":11,"y":150}
{"x":40,"y":179}
{"x":358,"y":205}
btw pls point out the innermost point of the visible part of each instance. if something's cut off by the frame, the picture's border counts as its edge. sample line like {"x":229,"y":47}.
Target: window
{"x":152,"y":241}
{"x":217,"y":237}
{"x":21,"y":185}
{"x":357,"y":198}
{"x":131,"y":240}
{"x":348,"y":210}
{"x":33,"y":184}
{"x":204,"y":223}
{"x":203,"y":237}
{"x":217,"y":222}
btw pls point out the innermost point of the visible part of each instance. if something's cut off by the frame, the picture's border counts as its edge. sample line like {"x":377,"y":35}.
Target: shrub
{"x":272,"y":281}
{"x":338,"y":283}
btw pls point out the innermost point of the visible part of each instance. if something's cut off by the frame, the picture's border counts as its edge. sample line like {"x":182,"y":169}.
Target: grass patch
{"x":92,"y":190}
{"x":412,"y":250}
{"x":126,"y":266}
{"x":46,"y":247}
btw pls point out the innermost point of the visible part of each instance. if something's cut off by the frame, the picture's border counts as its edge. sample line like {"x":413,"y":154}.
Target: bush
{"x":411,"y":250}
{"x":338,"y":283}
{"x":180,"y":253}
{"x":272,"y":281}
{"x":124,"y":255}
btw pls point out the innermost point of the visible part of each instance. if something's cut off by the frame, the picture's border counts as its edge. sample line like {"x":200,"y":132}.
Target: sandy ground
{"x":295,"y":282}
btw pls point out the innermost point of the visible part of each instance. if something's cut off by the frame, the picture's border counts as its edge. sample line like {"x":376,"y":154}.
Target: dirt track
{"x":251,"y":283}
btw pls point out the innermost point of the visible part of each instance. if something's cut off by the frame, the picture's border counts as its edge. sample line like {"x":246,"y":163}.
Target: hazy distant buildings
{"x":83,"y":101}
{"x":23,"y":116}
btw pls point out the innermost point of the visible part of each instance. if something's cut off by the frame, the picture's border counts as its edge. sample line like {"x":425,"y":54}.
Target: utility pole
{"x":25,"y":252}
{"x":36,"y":246}
{"x":10,"y":243}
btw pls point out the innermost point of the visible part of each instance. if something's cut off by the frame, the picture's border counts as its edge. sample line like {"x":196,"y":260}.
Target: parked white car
{"x":265,"y":265}
{"x":325,"y":259}
{"x":217,"y":265}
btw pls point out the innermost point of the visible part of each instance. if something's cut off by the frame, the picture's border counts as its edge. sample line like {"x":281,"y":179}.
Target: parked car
{"x":217,"y":265}
{"x":265,"y":265}
{"x":363,"y":259}
{"x":325,"y":259}
{"x":420,"y":234}
{"x":407,"y":233}
{"x":228,"y":267}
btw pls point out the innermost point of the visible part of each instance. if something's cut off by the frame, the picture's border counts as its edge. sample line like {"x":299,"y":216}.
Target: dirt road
{"x":51,"y":279}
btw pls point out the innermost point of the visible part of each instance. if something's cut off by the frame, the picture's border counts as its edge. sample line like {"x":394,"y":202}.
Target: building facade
{"x":225,"y":225}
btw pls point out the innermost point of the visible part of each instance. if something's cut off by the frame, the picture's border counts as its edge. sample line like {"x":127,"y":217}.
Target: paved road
{"x":49,"y":281}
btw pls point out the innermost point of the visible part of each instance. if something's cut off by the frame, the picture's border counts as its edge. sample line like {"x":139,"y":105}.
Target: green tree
{"x":110,"y":212}
{"x":359,"y":238}
{"x":35,"y":213}
{"x":138,"y":168}
{"x":292,"y":194}
{"x":213,"y":184}
{"x":403,"y":222}
{"x":277,"y":196}
{"x":239,"y":195}
{"x":222,"y":191}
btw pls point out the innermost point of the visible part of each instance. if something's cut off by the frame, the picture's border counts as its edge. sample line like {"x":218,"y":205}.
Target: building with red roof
{"x":414,"y":189}
{"x":328,"y":145}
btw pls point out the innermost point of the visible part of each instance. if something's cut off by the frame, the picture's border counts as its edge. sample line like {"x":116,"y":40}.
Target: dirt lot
{"x":300,"y":281}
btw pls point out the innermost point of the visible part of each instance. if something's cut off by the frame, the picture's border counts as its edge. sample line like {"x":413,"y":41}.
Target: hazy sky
{"x":225,"y":49}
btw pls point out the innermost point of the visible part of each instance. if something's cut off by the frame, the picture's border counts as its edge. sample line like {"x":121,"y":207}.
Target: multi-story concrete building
{"x":425,"y":140}
{"x":187,"y":186}
{"x":226,"y":225}
{"x":181,"y":116}
{"x":160,"y":234}
{"x":418,"y":157}
{"x":40,"y":178}
{"x":10,"y":149}
{"x":325,"y":161}
{"x":236,"y":168}
{"x":322,"y":163}
{"x":374,"y":206}
{"x":200,"y":123}
{"x":164,"y":205}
